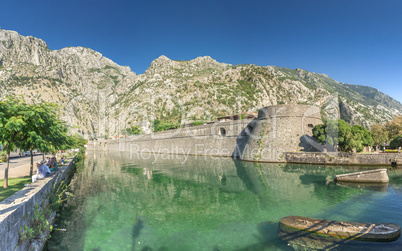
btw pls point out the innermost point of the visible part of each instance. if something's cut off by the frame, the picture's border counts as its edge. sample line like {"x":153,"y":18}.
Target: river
{"x":125,"y":201}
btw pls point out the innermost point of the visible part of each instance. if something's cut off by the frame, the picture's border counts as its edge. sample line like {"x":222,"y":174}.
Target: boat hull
{"x":371,"y":176}
{"x":383,"y":232}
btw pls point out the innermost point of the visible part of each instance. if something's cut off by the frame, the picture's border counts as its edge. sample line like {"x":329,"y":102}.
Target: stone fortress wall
{"x":281,"y":133}
{"x":278,"y":129}
{"x":217,"y":139}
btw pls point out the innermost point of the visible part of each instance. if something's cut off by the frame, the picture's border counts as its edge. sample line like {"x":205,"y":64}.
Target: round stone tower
{"x":278,"y":129}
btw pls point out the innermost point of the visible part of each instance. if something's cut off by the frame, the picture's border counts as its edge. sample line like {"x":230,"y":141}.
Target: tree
{"x":396,"y":142}
{"x":362,"y":135}
{"x":344,"y":135}
{"x":11,"y":127}
{"x":159,"y":126}
{"x":319,"y":132}
{"x":28,"y":127}
{"x":379,"y":134}
{"x":339,"y":133}
{"x":332,"y":132}
{"x":394,"y":127}
{"x":43,"y":129}
{"x":74,"y":142}
{"x":39,"y":120}
{"x":134,"y":130}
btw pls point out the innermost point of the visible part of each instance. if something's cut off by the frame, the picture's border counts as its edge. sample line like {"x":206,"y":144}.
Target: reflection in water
{"x":381,"y":187}
{"x":127,"y":203}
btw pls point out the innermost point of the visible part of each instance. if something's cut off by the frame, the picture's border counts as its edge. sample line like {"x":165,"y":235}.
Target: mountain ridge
{"x":101,"y":98}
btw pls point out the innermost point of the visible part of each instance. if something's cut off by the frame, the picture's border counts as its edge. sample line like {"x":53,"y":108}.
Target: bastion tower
{"x":278,"y":129}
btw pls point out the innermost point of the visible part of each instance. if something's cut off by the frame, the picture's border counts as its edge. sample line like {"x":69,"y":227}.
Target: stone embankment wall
{"x":278,"y":129}
{"x":18,"y":209}
{"x":281,"y":133}
{"x":374,"y":159}
{"x":216,"y":139}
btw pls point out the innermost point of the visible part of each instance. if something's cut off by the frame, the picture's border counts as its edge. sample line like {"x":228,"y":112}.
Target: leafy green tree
{"x":11,"y":127}
{"x":319,"y":132}
{"x":74,"y":142}
{"x":362,"y":137}
{"x":332,"y":132}
{"x":394,"y":127}
{"x":159,"y":126}
{"x":344,"y":135}
{"x":379,"y":134}
{"x":28,"y":127}
{"x":396,"y":142}
{"x":339,"y":133}
{"x":43,"y":130}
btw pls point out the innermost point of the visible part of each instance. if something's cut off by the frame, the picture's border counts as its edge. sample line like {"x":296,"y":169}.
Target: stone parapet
{"x":335,"y":158}
{"x":215,"y":139}
{"x":18,"y":209}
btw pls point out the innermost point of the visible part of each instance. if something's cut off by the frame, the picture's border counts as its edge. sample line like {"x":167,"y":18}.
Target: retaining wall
{"x":217,"y":139}
{"x":277,"y":129}
{"x":374,"y":159}
{"x":18,"y":209}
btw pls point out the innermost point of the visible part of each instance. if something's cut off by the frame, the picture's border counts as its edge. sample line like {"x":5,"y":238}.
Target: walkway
{"x":19,"y":167}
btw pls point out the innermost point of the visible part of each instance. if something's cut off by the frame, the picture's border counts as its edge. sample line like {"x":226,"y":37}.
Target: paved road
{"x":19,"y":167}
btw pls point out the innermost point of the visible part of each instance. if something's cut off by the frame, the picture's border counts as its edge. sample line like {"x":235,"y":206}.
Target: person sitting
{"x":62,"y":160}
{"x":40,"y":172}
{"x":47,"y":170}
{"x":53,"y":164}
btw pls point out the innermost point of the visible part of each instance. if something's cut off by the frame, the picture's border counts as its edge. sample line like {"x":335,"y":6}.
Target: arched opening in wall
{"x":222,"y":132}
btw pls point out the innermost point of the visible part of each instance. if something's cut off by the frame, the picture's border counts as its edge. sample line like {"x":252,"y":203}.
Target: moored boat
{"x":377,"y":232}
{"x":371,"y":176}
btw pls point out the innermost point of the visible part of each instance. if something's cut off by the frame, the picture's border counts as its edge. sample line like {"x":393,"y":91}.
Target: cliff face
{"x":101,"y":98}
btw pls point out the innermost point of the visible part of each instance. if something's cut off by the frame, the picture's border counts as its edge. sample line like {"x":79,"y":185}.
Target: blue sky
{"x":352,"y":41}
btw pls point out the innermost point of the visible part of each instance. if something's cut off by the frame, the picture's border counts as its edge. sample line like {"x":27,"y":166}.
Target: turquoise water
{"x":167,"y":202}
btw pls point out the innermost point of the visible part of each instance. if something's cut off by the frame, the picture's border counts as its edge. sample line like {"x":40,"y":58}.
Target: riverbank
{"x":18,"y":210}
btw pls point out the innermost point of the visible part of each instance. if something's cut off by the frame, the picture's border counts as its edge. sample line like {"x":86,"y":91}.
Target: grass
{"x":14,"y":185}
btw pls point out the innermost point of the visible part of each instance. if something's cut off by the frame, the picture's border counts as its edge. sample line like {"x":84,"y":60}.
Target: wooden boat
{"x":377,"y":232}
{"x":371,"y":176}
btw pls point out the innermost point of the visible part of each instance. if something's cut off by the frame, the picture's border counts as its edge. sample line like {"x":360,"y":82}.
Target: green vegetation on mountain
{"x":134,"y":130}
{"x":99,"y":97}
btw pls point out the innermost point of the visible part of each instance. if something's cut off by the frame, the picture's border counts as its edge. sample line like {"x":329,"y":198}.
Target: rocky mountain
{"x":100,"y":97}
